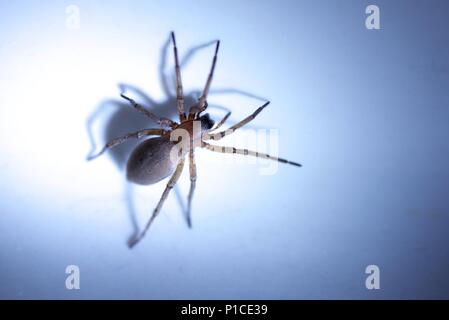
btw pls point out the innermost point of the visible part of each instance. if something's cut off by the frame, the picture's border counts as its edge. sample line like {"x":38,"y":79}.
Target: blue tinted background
{"x":365,"y":111}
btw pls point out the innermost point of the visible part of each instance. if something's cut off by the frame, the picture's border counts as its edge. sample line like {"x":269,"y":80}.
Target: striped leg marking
{"x":246,"y":152}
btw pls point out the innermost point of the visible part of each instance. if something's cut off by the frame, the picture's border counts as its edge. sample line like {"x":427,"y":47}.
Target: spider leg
{"x":192,"y":170}
{"x":192,"y":51}
{"x":184,"y":61}
{"x":173,"y":180}
{"x":246,"y":152}
{"x":179,"y":94}
{"x":220,"y":123}
{"x":222,"y":134}
{"x":202,"y":101}
{"x":161,"y":121}
{"x":124,"y":138}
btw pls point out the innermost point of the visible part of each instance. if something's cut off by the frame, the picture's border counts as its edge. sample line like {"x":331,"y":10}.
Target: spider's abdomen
{"x":151,"y":161}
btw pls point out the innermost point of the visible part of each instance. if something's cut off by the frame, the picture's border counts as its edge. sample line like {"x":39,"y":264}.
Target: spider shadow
{"x":120,"y":118}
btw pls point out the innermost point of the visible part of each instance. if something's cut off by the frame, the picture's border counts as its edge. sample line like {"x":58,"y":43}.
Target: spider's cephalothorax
{"x":164,"y":155}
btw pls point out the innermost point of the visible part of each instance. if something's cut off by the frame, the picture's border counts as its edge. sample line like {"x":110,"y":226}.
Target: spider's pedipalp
{"x":221,"y":122}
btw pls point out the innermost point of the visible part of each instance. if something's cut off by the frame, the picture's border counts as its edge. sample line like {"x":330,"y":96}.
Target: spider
{"x":159,"y":157}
